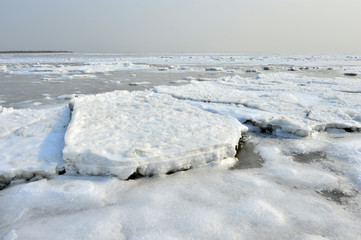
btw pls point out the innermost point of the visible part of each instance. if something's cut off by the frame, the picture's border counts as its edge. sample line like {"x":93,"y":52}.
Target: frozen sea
{"x":180,"y":146}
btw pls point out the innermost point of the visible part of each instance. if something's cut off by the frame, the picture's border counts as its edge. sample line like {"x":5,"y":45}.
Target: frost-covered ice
{"x":280,"y":201}
{"x":31,"y":142}
{"x":305,"y":184}
{"x":121,"y":133}
{"x":277,"y":102}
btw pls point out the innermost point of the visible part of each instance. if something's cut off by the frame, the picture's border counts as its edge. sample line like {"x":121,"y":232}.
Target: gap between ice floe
{"x":272,"y":128}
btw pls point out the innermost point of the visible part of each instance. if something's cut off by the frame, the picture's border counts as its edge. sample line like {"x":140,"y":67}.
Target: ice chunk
{"x":67,"y":97}
{"x":139,"y":83}
{"x":3,"y":68}
{"x":120,"y":133}
{"x":214,"y":69}
{"x":31,"y":142}
{"x":179,"y":81}
{"x":278,"y":102}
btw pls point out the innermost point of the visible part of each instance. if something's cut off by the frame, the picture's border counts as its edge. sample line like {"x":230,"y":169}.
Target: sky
{"x":162,"y":26}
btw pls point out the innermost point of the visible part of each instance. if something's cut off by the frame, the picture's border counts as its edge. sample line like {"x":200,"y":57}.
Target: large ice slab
{"x":120,"y":133}
{"x":281,"y":102}
{"x":31,"y":142}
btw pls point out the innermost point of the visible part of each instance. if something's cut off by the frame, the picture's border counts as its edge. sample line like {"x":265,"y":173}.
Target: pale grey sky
{"x":263,"y":26}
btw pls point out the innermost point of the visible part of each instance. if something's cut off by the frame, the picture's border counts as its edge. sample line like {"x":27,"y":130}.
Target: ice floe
{"x":3,"y":68}
{"x":278,"y":102}
{"x":121,"y":133}
{"x":31,"y":142}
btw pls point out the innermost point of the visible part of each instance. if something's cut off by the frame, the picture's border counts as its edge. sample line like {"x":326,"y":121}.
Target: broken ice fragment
{"x":120,"y":133}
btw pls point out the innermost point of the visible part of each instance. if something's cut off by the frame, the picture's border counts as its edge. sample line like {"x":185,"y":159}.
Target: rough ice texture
{"x":120,"y":133}
{"x":278,"y":201}
{"x":31,"y":142}
{"x":307,"y":188}
{"x":76,"y":70}
{"x":279,"y":102}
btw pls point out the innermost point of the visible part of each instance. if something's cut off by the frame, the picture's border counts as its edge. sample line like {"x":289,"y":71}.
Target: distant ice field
{"x":161,"y":146}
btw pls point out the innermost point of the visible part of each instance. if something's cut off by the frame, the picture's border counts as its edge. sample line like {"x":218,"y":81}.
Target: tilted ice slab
{"x":31,"y":142}
{"x":121,"y":133}
{"x":280,"y":102}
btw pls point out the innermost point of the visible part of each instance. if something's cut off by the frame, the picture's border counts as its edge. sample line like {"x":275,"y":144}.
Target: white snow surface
{"x":31,"y":142}
{"x":281,"y":200}
{"x":279,"y":102}
{"x":120,"y":133}
{"x":307,"y":184}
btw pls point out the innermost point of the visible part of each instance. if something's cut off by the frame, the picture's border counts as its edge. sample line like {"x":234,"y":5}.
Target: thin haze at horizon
{"x":259,"y":26}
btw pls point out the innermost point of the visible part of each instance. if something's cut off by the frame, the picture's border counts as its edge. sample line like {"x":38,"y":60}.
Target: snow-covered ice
{"x":203,"y":203}
{"x":31,"y":142}
{"x":69,"y":69}
{"x":303,"y":116}
{"x":120,"y":133}
{"x":279,"y":102}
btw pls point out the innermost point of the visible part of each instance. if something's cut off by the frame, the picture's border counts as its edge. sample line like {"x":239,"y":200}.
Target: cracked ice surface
{"x":307,"y":188}
{"x":31,"y":142}
{"x":120,"y":133}
{"x":280,"y":102}
{"x":277,"y":201}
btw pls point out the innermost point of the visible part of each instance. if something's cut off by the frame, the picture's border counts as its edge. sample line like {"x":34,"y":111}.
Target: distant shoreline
{"x":11,"y":52}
